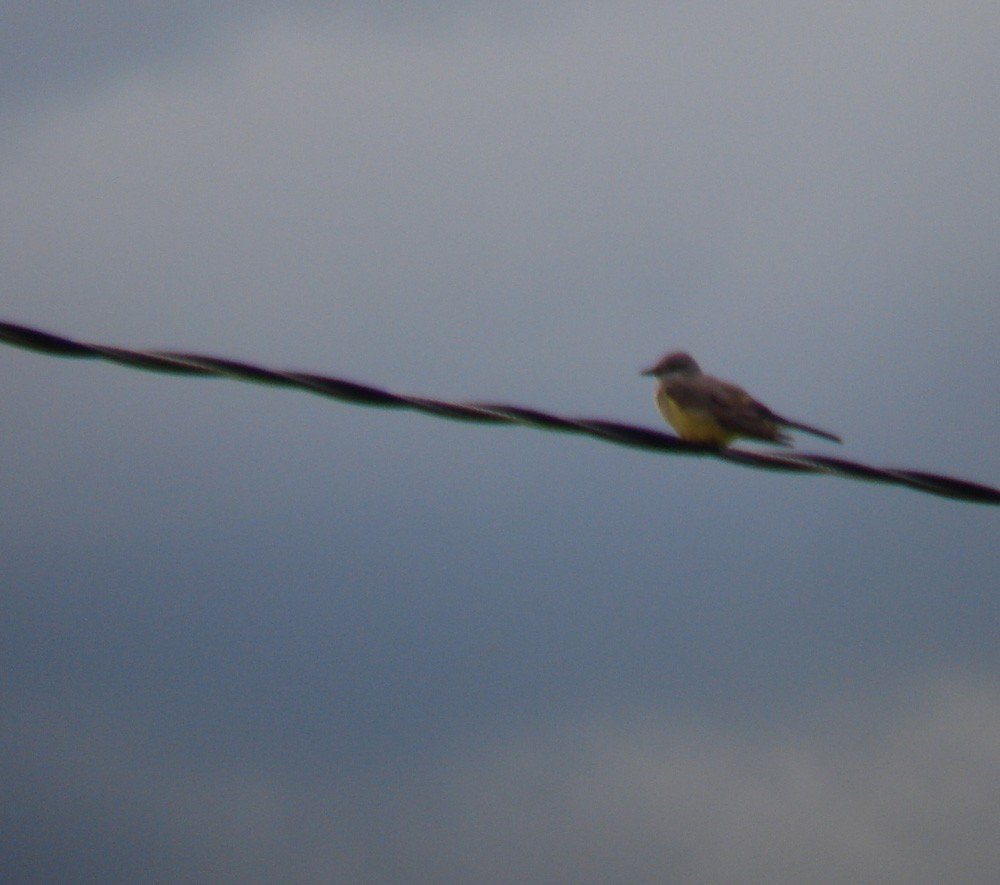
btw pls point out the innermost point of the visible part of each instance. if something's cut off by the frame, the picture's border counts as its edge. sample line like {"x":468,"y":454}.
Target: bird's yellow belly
{"x":694,"y":425}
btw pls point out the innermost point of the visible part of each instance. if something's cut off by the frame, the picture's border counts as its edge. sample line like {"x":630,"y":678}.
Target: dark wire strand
{"x":177,"y":363}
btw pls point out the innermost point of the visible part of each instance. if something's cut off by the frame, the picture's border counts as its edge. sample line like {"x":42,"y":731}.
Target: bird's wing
{"x":730,"y":406}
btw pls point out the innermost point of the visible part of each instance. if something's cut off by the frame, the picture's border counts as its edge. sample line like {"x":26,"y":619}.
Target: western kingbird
{"x":707,"y":410}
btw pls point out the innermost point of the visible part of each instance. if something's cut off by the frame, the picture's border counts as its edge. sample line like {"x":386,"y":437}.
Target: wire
{"x":176,"y":363}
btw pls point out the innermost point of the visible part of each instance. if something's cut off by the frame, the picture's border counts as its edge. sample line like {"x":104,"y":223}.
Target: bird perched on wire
{"x":707,"y":410}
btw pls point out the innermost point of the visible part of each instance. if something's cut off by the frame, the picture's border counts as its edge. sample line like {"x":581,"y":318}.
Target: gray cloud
{"x":905,"y":794}
{"x":236,"y":614}
{"x":56,"y":49}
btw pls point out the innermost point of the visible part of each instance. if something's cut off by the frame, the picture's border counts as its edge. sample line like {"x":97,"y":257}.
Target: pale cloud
{"x":588,"y":180}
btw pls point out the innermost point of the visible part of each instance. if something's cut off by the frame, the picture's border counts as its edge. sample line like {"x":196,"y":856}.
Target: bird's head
{"x":676,"y":363}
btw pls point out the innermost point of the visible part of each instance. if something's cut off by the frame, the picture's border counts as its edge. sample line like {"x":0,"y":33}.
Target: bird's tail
{"x":815,"y":431}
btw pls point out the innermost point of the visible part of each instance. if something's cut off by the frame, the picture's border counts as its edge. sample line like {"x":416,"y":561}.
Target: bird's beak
{"x":650,"y":371}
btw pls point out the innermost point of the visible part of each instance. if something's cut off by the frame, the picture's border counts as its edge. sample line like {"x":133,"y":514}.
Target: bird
{"x":707,"y":410}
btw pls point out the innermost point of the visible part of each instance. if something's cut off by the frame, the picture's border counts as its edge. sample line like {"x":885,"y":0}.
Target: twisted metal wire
{"x":177,"y":363}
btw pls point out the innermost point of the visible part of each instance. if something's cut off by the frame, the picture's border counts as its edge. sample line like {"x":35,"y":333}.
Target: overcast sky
{"x":252,"y":635}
